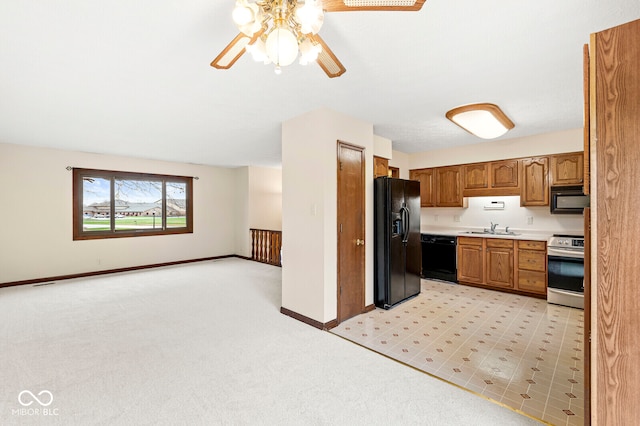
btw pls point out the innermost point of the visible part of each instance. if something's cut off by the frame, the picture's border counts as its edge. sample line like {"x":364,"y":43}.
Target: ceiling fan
{"x":278,"y":31}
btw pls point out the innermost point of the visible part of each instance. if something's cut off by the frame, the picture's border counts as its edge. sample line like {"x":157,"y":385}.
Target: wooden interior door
{"x":351,"y":231}
{"x":586,"y":63}
{"x":615,"y":132}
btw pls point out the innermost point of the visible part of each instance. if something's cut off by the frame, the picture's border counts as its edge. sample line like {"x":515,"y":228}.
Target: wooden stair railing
{"x":266,"y":246}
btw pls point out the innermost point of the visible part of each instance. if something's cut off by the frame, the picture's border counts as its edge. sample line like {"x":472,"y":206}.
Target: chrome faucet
{"x":493,"y":227}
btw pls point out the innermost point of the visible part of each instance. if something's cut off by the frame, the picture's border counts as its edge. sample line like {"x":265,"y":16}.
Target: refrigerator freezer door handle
{"x":405,"y":225}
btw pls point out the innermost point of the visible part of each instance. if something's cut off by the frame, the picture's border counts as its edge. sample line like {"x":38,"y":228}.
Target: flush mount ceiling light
{"x":486,"y":121}
{"x":279,"y":31}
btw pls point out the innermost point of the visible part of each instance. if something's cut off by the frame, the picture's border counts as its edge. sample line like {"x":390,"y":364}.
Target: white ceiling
{"x":133,"y":77}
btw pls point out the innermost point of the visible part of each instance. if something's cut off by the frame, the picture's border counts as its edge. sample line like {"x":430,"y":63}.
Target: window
{"x":109,"y":204}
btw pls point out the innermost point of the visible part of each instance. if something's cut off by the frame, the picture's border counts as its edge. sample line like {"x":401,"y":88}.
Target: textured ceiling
{"x":133,"y":77}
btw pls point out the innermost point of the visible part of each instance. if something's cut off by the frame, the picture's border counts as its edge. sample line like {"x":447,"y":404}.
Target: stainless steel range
{"x":565,"y":265}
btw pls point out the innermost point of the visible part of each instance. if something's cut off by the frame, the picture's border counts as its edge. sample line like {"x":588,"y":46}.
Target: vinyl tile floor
{"x":516,"y":350}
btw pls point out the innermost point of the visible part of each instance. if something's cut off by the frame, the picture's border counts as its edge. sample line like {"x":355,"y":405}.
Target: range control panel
{"x":565,"y":241}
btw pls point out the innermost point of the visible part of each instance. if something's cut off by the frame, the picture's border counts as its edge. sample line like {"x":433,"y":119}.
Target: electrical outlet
{"x":529,"y":220}
{"x":435,"y":218}
{"x":456,"y":218}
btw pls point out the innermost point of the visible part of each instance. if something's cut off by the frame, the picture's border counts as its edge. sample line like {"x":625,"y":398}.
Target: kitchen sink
{"x":511,"y":233}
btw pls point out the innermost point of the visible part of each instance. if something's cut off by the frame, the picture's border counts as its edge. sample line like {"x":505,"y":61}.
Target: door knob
{"x":359,"y":242}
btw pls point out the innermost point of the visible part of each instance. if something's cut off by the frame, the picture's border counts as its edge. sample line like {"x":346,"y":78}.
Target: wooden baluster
{"x":272,"y":247}
{"x":276,"y":248}
{"x":259,"y":246}
{"x":266,"y":246}
{"x":253,"y":244}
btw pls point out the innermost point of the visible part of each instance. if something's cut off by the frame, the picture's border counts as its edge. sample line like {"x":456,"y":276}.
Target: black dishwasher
{"x":439,"y":257}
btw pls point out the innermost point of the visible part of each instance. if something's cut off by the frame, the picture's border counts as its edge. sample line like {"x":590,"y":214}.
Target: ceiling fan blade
{"x":327,"y":59}
{"x":234,"y":50}
{"x":380,"y":5}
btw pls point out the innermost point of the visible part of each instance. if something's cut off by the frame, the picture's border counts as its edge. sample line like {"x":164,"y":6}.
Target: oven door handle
{"x":576,"y":254}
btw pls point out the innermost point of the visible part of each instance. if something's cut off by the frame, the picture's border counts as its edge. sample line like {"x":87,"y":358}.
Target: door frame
{"x":363,"y":262}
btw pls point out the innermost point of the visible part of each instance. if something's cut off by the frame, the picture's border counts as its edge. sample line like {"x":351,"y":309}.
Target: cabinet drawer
{"x":532,"y":245}
{"x":534,"y":282}
{"x":532,"y":260}
{"x":470,"y":241}
{"x":495,"y":242}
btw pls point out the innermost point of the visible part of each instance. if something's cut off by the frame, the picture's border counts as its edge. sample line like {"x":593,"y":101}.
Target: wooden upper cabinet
{"x":534,"y":185}
{"x":504,"y":174}
{"x":380,"y":167}
{"x":449,"y":187}
{"x":395,"y":172}
{"x":567,"y":169}
{"x":476,"y":176}
{"x":426,"y":177}
{"x":491,"y":178}
{"x":528,"y":177}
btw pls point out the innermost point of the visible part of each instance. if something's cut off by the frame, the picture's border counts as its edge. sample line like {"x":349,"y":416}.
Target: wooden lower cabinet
{"x":499,"y":263}
{"x":471,"y":260}
{"x":518,"y":266}
{"x":532,"y":282}
{"x":532,"y":267}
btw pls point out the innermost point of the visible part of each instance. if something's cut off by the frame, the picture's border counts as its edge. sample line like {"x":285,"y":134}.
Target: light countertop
{"x":462,"y":232}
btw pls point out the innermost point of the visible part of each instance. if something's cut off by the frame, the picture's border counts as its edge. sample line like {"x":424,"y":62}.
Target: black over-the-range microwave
{"x":568,"y":200}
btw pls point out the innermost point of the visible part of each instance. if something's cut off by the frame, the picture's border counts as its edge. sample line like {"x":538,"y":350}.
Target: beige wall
{"x":265,"y":198}
{"x":258,"y":203}
{"x":241,"y":225}
{"x":382,"y":147}
{"x":401,"y":161}
{"x":36,"y":216}
{"x":309,"y":210}
{"x":548,"y":143}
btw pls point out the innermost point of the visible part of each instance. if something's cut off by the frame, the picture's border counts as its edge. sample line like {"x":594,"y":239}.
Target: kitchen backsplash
{"x":513,"y":216}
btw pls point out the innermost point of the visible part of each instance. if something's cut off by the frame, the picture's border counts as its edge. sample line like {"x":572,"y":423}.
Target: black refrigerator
{"x":398,"y":252}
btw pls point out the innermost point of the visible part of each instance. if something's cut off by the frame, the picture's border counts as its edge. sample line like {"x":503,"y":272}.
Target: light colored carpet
{"x":202,"y":344}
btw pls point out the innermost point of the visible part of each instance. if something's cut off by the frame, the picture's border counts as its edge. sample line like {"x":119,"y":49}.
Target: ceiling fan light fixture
{"x":310,"y":17}
{"x":258,"y":51}
{"x":247,"y":17}
{"x":309,"y":52}
{"x":282,"y":46}
{"x":484,"y":120}
{"x":242,"y":14}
